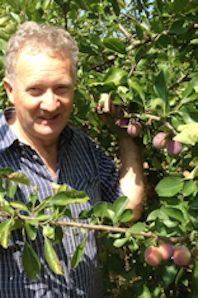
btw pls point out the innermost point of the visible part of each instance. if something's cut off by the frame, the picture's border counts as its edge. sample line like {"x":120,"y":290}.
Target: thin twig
{"x":104,"y":228}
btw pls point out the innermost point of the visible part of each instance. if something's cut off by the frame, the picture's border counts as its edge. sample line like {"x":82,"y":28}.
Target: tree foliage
{"x":143,"y":53}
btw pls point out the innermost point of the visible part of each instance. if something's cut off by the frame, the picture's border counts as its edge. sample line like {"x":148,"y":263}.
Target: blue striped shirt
{"x":82,"y":166}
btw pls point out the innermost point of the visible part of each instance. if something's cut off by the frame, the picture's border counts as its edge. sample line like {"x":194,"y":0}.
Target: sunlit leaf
{"x":49,"y":232}
{"x":115,"y":76}
{"x":51,"y":257}
{"x":30,"y":230}
{"x":5,"y":232}
{"x":120,"y":242}
{"x":19,"y":177}
{"x":120,"y":205}
{"x":169,"y":186}
{"x":18,"y":205}
{"x":65,"y":198}
{"x":188,"y":134}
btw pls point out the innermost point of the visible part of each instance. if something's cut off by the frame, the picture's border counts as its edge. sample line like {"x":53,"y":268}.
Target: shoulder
{"x":7,"y":137}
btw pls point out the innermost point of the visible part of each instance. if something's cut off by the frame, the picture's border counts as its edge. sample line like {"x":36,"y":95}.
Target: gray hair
{"x":40,"y":37}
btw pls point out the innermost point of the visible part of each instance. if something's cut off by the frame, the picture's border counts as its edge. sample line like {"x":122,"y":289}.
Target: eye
{"x":62,"y":89}
{"x":35,"y":91}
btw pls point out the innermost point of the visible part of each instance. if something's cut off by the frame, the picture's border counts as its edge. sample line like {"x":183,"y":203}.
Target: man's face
{"x":42,"y":93}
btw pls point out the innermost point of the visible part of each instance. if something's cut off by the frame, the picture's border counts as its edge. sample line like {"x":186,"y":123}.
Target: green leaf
{"x":31,"y":231}
{"x":136,"y":86}
{"x":75,"y":260}
{"x":157,"y":214}
{"x":5,"y":232}
{"x":99,"y":209}
{"x":33,"y":197}
{"x":168,"y":274}
{"x":115,"y":76}
{"x":52,"y":258}
{"x":42,"y":205}
{"x":173,"y":213}
{"x":4,"y":172}
{"x":104,"y":210}
{"x":137,"y":228}
{"x":30,"y":260}
{"x":4,"y":20}
{"x":188,"y":134}
{"x":49,"y":232}
{"x":19,"y":177}
{"x":194,"y":204}
{"x":194,"y":286}
{"x":65,"y":198}
{"x":179,"y":27}
{"x":18,"y":205}
{"x":117,"y":4}
{"x":120,"y":205}
{"x":190,"y":187}
{"x":115,"y":44}
{"x":7,"y":209}
{"x":160,"y":86}
{"x":126,"y":216}
{"x":120,"y":242}
{"x":11,"y":189}
{"x":169,"y":186}
{"x":39,"y":218}
{"x":58,"y":235}
{"x":145,"y":293}
{"x":194,"y":41}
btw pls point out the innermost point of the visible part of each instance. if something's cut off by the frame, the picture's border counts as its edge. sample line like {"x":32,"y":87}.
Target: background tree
{"x":143,"y":54}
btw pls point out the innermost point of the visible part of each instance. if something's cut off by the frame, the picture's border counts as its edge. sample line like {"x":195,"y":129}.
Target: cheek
{"x":68,"y":104}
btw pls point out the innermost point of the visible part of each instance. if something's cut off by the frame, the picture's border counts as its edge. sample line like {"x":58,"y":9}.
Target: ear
{"x":9,"y":89}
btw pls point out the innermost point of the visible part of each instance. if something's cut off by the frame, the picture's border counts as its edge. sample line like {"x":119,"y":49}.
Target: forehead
{"x":38,"y":63}
{"x":35,"y":49}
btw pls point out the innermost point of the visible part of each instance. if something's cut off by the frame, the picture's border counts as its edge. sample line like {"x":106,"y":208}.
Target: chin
{"x":44,"y":134}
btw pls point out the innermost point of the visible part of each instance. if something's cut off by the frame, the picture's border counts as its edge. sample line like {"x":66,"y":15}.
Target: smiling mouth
{"x":48,"y":119}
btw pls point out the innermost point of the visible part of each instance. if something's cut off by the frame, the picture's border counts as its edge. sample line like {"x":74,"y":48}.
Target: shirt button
{"x":35,"y":157}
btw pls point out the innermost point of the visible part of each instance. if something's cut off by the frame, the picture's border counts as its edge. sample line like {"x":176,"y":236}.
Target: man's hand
{"x":110,"y":114}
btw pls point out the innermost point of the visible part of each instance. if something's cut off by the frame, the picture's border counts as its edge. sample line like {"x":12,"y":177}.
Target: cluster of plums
{"x":180,"y":255}
{"x":161,"y":141}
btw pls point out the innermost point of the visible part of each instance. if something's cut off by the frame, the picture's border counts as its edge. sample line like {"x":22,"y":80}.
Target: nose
{"x":49,"y":101}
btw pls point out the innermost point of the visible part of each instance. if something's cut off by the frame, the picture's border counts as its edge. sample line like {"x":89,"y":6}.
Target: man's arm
{"x":132,"y":179}
{"x":131,"y":174}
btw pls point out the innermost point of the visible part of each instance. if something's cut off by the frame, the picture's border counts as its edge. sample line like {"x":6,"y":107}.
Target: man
{"x":40,"y":66}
